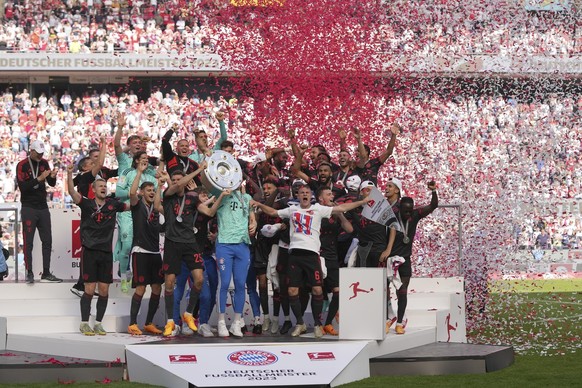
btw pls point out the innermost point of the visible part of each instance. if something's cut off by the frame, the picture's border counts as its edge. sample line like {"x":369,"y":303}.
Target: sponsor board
{"x":244,"y":365}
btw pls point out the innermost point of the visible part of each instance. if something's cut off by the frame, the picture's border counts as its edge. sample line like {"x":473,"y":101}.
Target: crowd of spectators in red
{"x":105,"y":27}
{"x":489,"y":150}
{"x":414,"y":28}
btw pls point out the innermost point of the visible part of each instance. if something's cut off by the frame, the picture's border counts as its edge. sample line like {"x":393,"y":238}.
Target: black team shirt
{"x":98,"y":223}
{"x":370,"y":231}
{"x":33,"y":192}
{"x":84,"y":180}
{"x":399,"y":248}
{"x":182,"y":232}
{"x":146,"y":227}
{"x":370,"y":170}
{"x":329,"y":232}
{"x":174,"y":162}
{"x":264,"y":244}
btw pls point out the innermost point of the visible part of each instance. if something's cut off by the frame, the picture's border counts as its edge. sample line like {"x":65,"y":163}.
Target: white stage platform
{"x":435,"y":313}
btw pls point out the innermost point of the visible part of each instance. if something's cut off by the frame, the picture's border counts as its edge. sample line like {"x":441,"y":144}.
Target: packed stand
{"x":106,"y":27}
{"x":415,"y":28}
{"x":463,"y":143}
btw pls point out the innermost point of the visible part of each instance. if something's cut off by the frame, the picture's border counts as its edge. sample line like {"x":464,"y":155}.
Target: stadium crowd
{"x":517,"y":149}
{"x":415,"y":28}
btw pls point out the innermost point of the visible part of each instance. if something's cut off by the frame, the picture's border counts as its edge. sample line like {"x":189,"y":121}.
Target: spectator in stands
{"x":543,"y":240}
{"x":66,"y":101}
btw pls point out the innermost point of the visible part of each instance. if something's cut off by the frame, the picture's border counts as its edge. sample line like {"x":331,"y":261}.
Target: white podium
{"x":362,"y":303}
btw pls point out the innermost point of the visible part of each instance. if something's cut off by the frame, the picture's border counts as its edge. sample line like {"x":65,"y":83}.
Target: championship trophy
{"x":223,"y":172}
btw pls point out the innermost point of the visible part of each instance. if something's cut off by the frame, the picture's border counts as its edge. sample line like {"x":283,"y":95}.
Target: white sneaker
{"x":275,"y":326}
{"x":205,"y":331}
{"x":266,"y":324}
{"x":235,"y":329}
{"x":186,"y":330}
{"x":318,"y":331}
{"x":177,"y":330}
{"x":299,"y":329}
{"x":222,"y":330}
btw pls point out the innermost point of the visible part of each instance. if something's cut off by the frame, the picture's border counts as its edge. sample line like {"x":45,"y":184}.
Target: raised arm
{"x":71,"y":186}
{"x":133,"y":198}
{"x":223,"y":131}
{"x":292,"y":141}
{"x":119,"y":133}
{"x":102,"y":153}
{"x":345,"y":207}
{"x":167,"y":151}
{"x":434,"y":200}
{"x":296,"y":167}
{"x":158,"y":198}
{"x":395,"y":130}
{"x":161,"y":167}
{"x":211,"y":211}
{"x":343,"y":136}
{"x":266,"y":209}
{"x":362,"y":154}
{"x":186,"y":179}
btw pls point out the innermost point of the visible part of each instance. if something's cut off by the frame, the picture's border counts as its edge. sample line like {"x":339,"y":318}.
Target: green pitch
{"x":539,"y":317}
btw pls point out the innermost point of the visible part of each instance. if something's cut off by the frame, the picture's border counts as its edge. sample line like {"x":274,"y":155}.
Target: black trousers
{"x":33,"y":219}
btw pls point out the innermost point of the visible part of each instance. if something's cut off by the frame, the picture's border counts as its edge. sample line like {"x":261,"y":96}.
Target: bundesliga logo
{"x":320,"y":356}
{"x":183,"y":359}
{"x":252,"y":358}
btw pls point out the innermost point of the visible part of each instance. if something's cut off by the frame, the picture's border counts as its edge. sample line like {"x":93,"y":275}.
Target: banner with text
{"x":281,"y":364}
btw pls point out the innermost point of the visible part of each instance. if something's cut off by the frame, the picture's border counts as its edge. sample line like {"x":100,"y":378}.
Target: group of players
{"x":294,"y":226}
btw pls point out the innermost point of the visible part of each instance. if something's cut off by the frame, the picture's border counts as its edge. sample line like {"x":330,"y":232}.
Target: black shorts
{"x":96,"y":266}
{"x":147,"y":269}
{"x":262,"y":250}
{"x":282,"y":261}
{"x":405,"y":269}
{"x":261,"y":271}
{"x":177,"y":252}
{"x":372,"y":260}
{"x":331,"y":281}
{"x":304,"y":268}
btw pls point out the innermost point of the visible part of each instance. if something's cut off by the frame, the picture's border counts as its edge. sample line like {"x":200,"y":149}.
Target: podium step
{"x":58,"y":307}
{"x":414,"y":337}
{"x":423,"y":318}
{"x":38,"y":290}
{"x":443,"y":358}
{"x":450,"y":285}
{"x":108,"y":348}
{"x":26,"y":368}
{"x":50,"y":324}
{"x":428,"y":300}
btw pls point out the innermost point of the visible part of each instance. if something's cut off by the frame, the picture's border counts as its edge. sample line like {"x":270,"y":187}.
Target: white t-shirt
{"x":305,"y":225}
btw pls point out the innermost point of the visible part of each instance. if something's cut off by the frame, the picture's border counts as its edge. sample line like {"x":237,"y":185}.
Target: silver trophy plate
{"x":223,"y":172}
